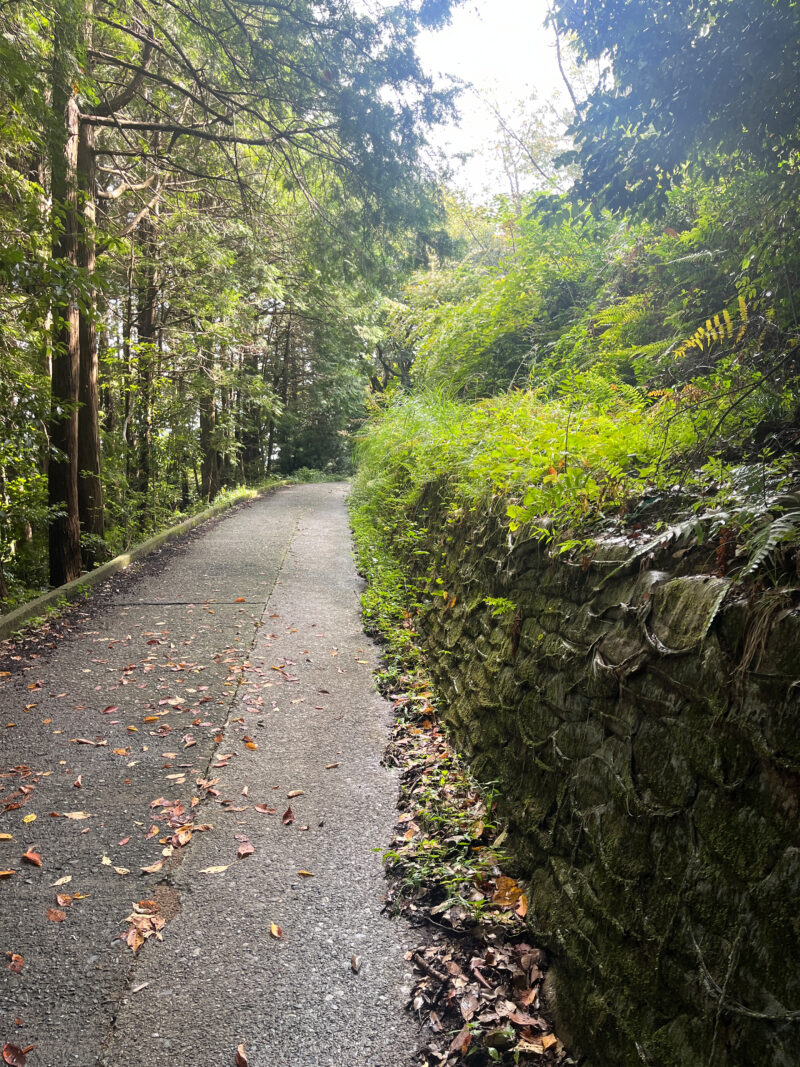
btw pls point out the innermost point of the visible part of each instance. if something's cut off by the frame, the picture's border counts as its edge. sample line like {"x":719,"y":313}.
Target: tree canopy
{"x":688,"y":84}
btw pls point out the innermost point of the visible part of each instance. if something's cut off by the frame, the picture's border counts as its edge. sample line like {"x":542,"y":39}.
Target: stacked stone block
{"x":641,"y":720}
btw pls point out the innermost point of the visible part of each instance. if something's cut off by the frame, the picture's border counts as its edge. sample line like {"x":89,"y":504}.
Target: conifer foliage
{"x":201,"y":201}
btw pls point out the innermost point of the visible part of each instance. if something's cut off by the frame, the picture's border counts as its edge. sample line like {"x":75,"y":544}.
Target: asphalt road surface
{"x":213,"y":718}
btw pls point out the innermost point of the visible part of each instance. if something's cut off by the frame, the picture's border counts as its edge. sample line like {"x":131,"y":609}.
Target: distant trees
{"x":196,"y":200}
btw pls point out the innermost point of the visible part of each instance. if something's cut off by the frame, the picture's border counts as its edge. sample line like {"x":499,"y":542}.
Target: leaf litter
{"x":479,"y":981}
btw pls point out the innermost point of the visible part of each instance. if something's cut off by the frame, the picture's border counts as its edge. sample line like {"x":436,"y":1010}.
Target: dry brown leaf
{"x":507,"y":893}
{"x":56,"y":915}
{"x":153,"y":868}
{"x":32,"y":857}
{"x":275,"y":931}
{"x":241,"y":1059}
{"x":6,"y":837}
{"x":14,"y":1056}
{"x":305,"y":874}
{"x":288,"y":817}
{"x":245,"y":850}
{"x":294,"y":793}
{"x":461,"y":1041}
{"x":215,"y":870}
{"x":16,"y":962}
{"x":61,"y":881}
{"x":77,"y":815}
{"x":265,"y":809}
{"x":6,"y":874}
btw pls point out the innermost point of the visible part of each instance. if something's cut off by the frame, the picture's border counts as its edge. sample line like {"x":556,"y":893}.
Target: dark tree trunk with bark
{"x":90,"y":489}
{"x":210,"y":466}
{"x":62,"y":475}
{"x":146,"y":330}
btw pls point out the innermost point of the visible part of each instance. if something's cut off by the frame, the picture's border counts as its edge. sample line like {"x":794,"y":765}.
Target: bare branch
{"x":123,"y":98}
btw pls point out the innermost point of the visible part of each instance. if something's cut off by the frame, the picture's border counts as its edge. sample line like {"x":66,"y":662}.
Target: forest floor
{"x":193,"y":797}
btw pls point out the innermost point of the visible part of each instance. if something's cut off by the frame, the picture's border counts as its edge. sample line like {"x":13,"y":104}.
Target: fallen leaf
{"x":548,"y":1040}
{"x":6,"y":874}
{"x":245,"y":850}
{"x":155,"y":867}
{"x":62,"y":881}
{"x":6,"y":837}
{"x":109,"y":710}
{"x":330,"y":766}
{"x":305,"y":874}
{"x":288,"y":817}
{"x":461,"y":1041}
{"x":215,"y":870}
{"x":536,"y":1046}
{"x":294,"y":793}
{"x":78,"y":783}
{"x":265,"y":809}
{"x":16,"y":962}
{"x":56,"y":915}
{"x":139,"y":987}
{"x":241,"y":1059}
{"x":14,"y":1056}
{"x":122,"y":870}
{"x":275,"y":931}
{"x":76,"y":815}
{"x":64,"y":900}
{"x":106,"y":861}
{"x":508,"y":892}
{"x":29,"y":818}
{"x":355,"y":964}
{"x":32,"y":857}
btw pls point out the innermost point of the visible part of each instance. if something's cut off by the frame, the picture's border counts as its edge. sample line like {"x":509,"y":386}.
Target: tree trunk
{"x":209,"y":469}
{"x":146,"y":321}
{"x":62,"y":478}
{"x":90,"y":489}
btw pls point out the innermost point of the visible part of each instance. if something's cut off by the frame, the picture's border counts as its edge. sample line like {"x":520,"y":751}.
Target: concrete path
{"x":233,"y":677}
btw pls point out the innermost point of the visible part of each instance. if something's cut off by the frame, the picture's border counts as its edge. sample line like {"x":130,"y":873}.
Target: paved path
{"x":251,"y":632}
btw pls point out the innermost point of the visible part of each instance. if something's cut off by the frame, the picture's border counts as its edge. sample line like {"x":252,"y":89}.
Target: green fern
{"x":783,"y":530}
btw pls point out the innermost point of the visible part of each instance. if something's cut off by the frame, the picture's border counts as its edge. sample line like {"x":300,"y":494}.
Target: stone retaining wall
{"x":642,"y":723}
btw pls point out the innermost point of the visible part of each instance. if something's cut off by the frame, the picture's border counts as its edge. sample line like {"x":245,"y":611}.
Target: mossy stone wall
{"x":642,"y":721}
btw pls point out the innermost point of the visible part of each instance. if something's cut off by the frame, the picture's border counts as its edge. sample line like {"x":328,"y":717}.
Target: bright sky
{"x":503,"y":49}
